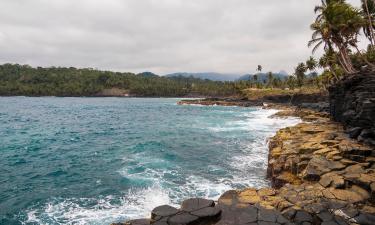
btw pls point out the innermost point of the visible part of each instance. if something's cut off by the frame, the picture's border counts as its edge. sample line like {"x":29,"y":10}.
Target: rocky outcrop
{"x":352,"y":102}
{"x":315,"y":101}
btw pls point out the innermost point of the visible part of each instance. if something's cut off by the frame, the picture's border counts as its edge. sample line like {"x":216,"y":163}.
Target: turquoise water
{"x":102,"y":160}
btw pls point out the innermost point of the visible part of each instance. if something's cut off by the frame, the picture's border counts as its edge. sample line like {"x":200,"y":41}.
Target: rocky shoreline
{"x":319,"y":175}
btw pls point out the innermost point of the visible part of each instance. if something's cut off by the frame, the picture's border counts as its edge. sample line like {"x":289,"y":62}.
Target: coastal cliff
{"x":352,"y":102}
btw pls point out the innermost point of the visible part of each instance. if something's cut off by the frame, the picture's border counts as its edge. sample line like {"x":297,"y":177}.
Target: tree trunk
{"x":346,"y":59}
{"x":371,"y":29}
{"x":365,"y":58}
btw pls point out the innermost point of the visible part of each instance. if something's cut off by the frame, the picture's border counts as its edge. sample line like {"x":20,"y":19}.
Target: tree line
{"x":25,"y":80}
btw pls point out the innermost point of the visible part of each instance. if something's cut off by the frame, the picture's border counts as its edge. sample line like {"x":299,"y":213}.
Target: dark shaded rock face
{"x":352,"y":102}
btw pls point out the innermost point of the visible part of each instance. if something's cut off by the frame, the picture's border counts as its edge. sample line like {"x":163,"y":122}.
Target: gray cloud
{"x":162,"y":36}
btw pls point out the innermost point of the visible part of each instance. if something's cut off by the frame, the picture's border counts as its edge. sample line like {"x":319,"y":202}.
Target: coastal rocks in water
{"x":192,"y":212}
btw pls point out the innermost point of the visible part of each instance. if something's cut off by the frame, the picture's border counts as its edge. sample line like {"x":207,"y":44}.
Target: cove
{"x":100,"y":160}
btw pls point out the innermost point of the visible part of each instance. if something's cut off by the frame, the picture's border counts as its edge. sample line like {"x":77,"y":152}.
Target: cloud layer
{"x":162,"y":36}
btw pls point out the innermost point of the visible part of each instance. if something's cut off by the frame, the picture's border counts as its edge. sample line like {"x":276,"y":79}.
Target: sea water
{"x":103,"y":160}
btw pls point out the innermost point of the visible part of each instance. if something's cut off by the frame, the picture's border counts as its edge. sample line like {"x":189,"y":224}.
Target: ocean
{"x":103,"y":160}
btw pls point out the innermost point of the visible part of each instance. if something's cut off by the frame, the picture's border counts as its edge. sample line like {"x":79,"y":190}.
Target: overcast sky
{"x":162,"y":36}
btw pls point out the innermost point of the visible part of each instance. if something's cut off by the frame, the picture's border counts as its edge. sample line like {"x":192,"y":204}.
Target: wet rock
{"x":163,"y":211}
{"x":195,"y":204}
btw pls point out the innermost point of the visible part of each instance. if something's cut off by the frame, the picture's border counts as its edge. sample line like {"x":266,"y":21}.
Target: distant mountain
{"x":264,"y":76}
{"x":147,"y":74}
{"x":209,"y":76}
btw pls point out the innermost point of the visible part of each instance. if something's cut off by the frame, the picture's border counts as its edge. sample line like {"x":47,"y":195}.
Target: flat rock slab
{"x":163,"y":211}
{"x":183,"y":219}
{"x":209,"y":212}
{"x":194,"y":204}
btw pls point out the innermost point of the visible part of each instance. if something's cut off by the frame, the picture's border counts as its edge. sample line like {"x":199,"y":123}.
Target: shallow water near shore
{"x":102,"y":160}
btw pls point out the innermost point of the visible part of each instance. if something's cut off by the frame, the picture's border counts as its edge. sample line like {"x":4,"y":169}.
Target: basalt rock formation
{"x":352,"y":102}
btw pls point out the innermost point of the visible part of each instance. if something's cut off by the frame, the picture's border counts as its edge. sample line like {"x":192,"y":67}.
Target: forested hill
{"x":57,"y":81}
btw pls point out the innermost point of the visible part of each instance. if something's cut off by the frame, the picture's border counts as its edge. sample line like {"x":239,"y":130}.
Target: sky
{"x":162,"y":36}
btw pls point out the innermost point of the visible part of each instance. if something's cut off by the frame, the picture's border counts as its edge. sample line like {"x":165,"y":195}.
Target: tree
{"x":255,"y":78}
{"x":337,"y":26}
{"x":311,"y":64}
{"x":300,"y":71}
{"x":259,"y":68}
{"x":368,"y":11}
{"x":270,"y":78}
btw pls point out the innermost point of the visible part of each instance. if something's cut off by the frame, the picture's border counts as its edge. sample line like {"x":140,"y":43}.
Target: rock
{"x":207,"y":213}
{"x":325,"y":216}
{"x":138,"y":222}
{"x":248,"y":216}
{"x":227,"y":198}
{"x":318,"y":166}
{"x":302,"y":216}
{"x":183,"y":219}
{"x":163,"y":211}
{"x":267,"y":215}
{"x":354,"y":132}
{"x":332,"y":179}
{"x":266,"y":192}
{"x":194,"y":204}
{"x":351,"y":196}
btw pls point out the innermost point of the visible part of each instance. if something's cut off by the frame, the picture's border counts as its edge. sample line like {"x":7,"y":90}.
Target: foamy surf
{"x":132,"y":205}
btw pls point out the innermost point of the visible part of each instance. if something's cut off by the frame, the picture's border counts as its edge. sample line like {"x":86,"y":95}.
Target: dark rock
{"x":183,"y":219}
{"x":139,"y":222}
{"x":354,"y":132}
{"x":162,"y":211}
{"x":267,"y":223}
{"x":352,"y":101}
{"x":325,"y":216}
{"x":302,"y":216}
{"x":268,"y":215}
{"x":208,"y":212}
{"x":331,"y":222}
{"x":194,"y":204}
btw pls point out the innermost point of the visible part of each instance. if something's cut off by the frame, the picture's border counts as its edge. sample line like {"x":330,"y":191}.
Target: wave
{"x":133,"y":204}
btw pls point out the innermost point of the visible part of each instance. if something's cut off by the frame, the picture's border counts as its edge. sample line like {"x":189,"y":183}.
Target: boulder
{"x":163,"y":211}
{"x":194,"y":204}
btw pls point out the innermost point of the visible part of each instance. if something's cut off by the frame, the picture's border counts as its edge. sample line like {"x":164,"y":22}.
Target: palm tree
{"x":311,"y":64}
{"x":300,"y":71}
{"x":337,"y":26}
{"x":368,"y":11}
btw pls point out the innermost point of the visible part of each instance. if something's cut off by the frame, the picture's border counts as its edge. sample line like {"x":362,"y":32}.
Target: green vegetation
{"x":24,"y":80}
{"x":337,"y":29}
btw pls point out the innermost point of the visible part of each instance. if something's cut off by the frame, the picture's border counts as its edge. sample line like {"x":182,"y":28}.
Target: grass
{"x":254,"y":93}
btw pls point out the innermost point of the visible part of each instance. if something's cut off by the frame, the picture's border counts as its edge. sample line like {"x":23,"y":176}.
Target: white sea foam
{"x":134,"y":204}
